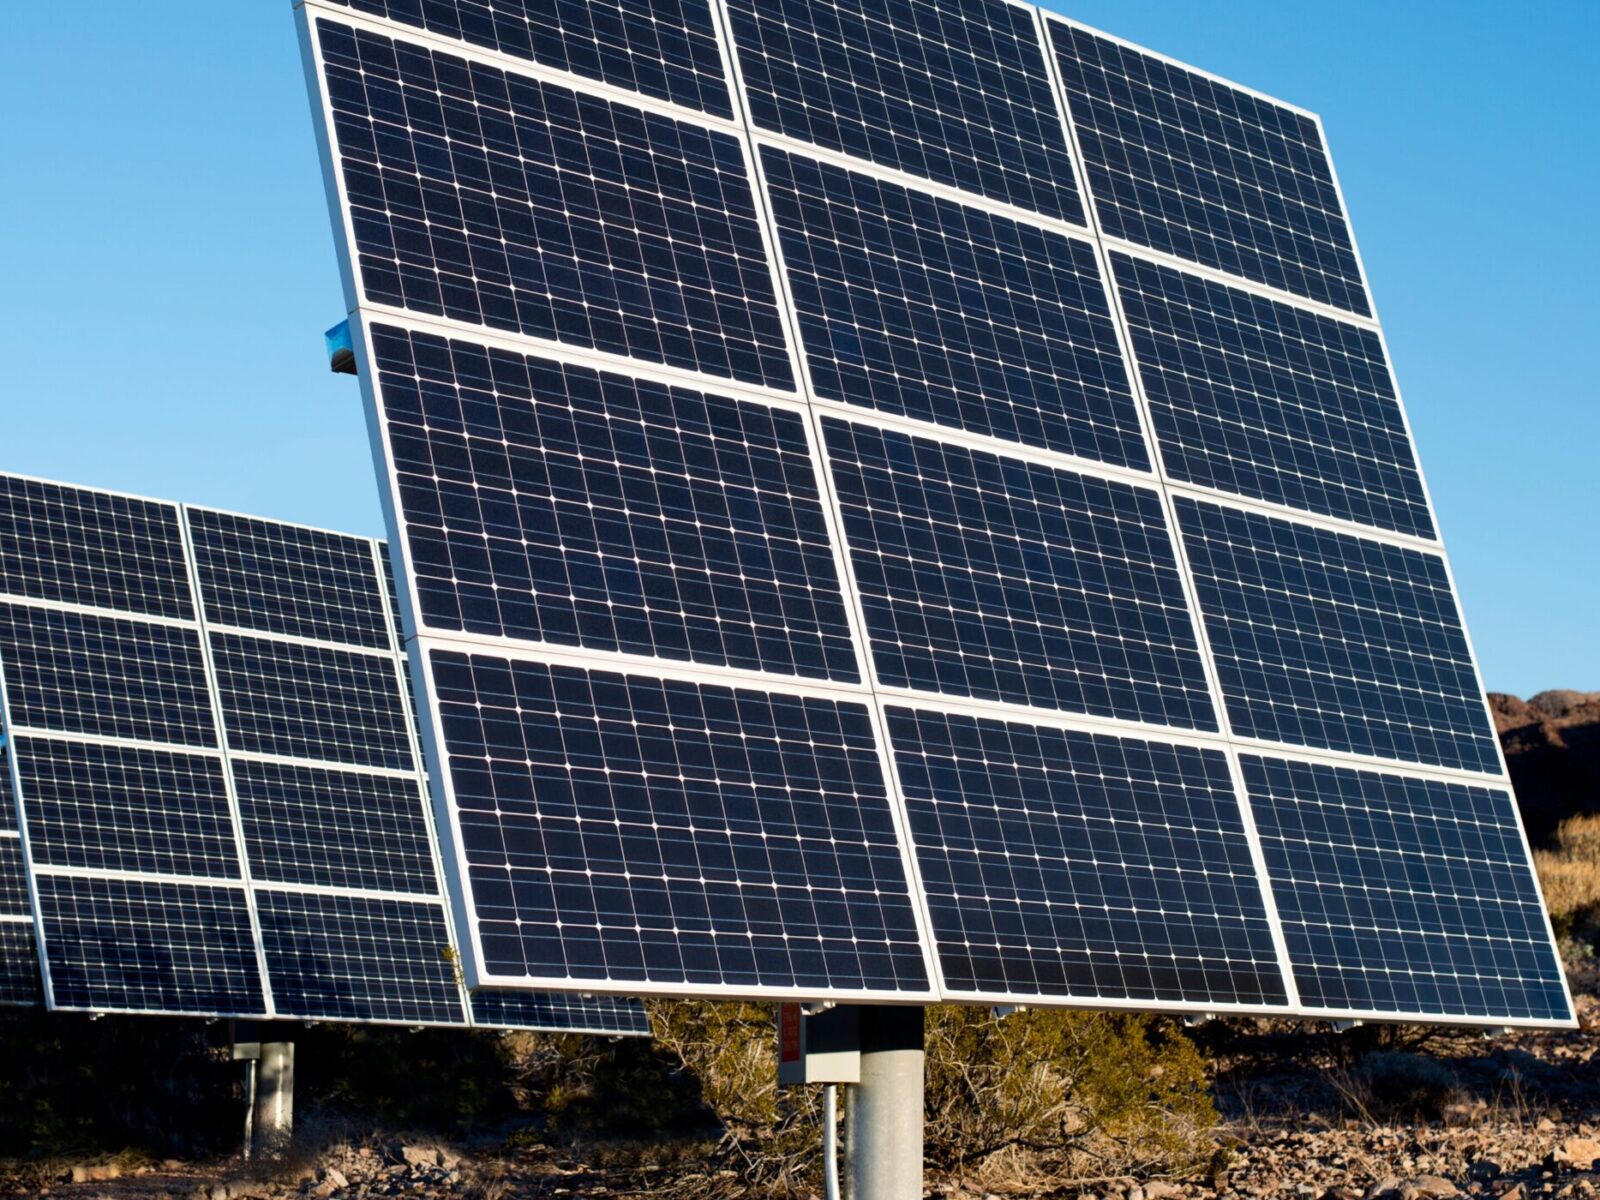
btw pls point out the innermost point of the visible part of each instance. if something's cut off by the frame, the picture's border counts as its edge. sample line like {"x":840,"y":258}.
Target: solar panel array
{"x":222,"y":800}
{"x":911,"y":504}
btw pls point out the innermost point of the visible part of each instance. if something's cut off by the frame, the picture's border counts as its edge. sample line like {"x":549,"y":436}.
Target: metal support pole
{"x":883,"y":1113}
{"x":830,"y":1141}
{"x":274,"y":1120}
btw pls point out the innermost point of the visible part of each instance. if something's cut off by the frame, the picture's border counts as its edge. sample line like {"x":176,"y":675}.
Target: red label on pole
{"x":788,"y":1033}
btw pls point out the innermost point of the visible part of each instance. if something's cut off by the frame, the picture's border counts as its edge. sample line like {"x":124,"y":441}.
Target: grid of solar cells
{"x":14,"y":900}
{"x":613,"y":1015}
{"x":310,"y":825}
{"x":550,"y":502}
{"x":954,"y":93}
{"x":920,"y":306}
{"x":126,"y":808}
{"x":75,"y":672}
{"x":1324,"y":639}
{"x":277,"y":578}
{"x":151,"y":945}
{"x":993,"y":577}
{"x":1264,"y":399}
{"x":80,"y":547}
{"x":19,"y":964}
{"x":620,"y":829}
{"x":1400,"y":894}
{"x":358,"y":958}
{"x":662,"y":48}
{"x":1207,"y":172}
{"x":502,"y":201}
{"x":1067,"y":864}
{"x":312,"y":702}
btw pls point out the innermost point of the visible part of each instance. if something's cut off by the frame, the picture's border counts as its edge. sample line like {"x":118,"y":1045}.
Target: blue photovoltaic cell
{"x":502,"y":201}
{"x":277,"y":578}
{"x":620,"y":829}
{"x":308,"y":825}
{"x":662,"y":48}
{"x":19,"y":964}
{"x":924,"y":307}
{"x":1400,"y":894}
{"x":358,"y":958}
{"x":558,"y":1010}
{"x":1324,"y":639}
{"x":81,"y":547}
{"x":550,"y":502}
{"x":1207,"y":172}
{"x":124,"y":808}
{"x":955,"y":93}
{"x":73,"y":672}
{"x":992,"y":577}
{"x":149,"y":945}
{"x":14,"y":900}
{"x":1264,"y":399}
{"x":1067,"y":864}
{"x":311,"y":702}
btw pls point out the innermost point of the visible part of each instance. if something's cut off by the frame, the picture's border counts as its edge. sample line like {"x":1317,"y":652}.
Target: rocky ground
{"x":1521,"y":1122}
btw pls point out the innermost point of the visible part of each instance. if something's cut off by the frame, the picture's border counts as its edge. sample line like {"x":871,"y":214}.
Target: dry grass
{"x":1570,"y":876}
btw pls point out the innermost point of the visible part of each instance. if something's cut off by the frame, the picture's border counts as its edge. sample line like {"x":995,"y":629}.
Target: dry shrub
{"x":1031,"y":1099}
{"x":1042,"y":1096}
{"x":1570,"y":876}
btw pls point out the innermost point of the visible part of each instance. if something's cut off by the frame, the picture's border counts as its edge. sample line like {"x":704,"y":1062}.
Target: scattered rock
{"x":1341,"y":1193}
{"x":1383,"y":1187}
{"x":1432,"y":1185}
{"x":1484,"y":1170}
{"x":1578,"y":1153}
{"x":335,"y":1177}
{"x":1160,"y":1189}
{"x":1515,"y":1191}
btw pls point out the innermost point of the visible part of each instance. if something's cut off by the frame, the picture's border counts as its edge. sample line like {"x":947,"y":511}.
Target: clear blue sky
{"x":168,"y":267}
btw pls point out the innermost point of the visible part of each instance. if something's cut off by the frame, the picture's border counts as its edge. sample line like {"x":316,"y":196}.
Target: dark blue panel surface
{"x":1072,"y":865}
{"x":1207,"y":172}
{"x":355,"y":958}
{"x":79,"y":546}
{"x":149,"y":946}
{"x":992,"y":577}
{"x":555,"y":503}
{"x":562,"y":1011}
{"x":663,"y":48}
{"x":955,"y":93}
{"x":930,"y":309}
{"x":633,"y":829}
{"x":1324,"y":639}
{"x":279,"y":578}
{"x":1404,"y":895}
{"x":74,"y":673}
{"x":501,"y":201}
{"x":19,"y":964}
{"x":311,"y":702}
{"x":1264,"y":399}
{"x":118,"y":808}
{"x":14,"y":901}
{"x":925,"y":307}
{"x":308,"y":825}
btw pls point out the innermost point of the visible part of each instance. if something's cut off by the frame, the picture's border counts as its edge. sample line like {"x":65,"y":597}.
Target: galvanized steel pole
{"x":883,"y":1113}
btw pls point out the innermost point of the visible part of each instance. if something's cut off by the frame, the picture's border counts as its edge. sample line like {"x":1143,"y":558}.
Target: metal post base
{"x":274,"y":1108}
{"x":883,"y":1113}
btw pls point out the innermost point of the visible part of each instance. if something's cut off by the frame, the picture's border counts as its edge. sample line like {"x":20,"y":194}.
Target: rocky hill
{"x":1552,"y":745}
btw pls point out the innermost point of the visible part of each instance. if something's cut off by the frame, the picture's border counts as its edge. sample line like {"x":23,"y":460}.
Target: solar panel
{"x":1330,"y":640}
{"x":953,"y":93}
{"x":899,"y":622}
{"x":1009,"y":580}
{"x":919,"y":306}
{"x":1262,"y":399}
{"x":1404,"y":895}
{"x":506,"y":202}
{"x":1180,"y":162}
{"x":224,"y":818}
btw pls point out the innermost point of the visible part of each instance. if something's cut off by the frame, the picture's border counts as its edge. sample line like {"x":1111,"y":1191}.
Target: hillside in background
{"x":1552,"y":745}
